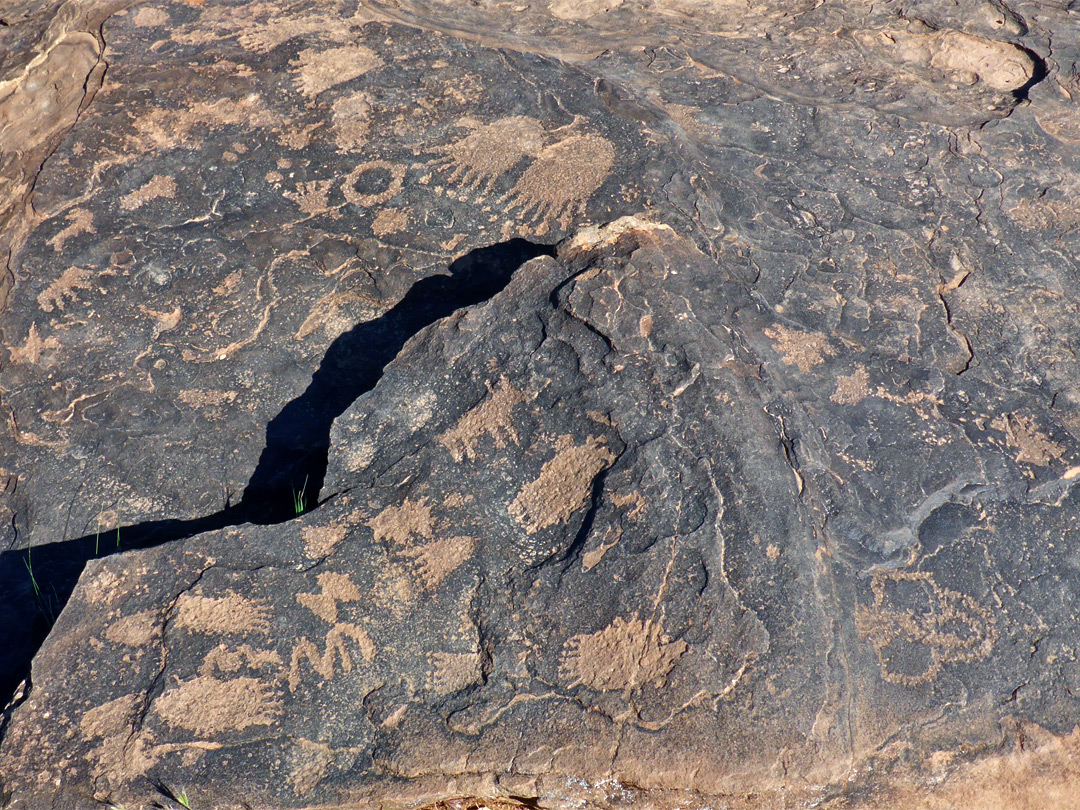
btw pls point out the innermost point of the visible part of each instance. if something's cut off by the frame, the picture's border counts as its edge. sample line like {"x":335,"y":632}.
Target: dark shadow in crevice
{"x":37,"y":583}
{"x":1038,"y":73}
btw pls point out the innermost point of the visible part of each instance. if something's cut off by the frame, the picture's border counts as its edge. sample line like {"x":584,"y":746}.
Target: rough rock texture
{"x":762,"y":497}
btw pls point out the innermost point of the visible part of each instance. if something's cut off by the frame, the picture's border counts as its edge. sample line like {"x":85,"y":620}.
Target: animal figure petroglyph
{"x":490,"y":151}
{"x":916,"y":626}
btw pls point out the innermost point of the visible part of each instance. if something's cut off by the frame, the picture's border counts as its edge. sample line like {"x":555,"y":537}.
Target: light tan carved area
{"x":319,"y":70}
{"x":208,"y":706}
{"x":1033,"y":446}
{"x":623,"y":656}
{"x":333,"y":588}
{"x":136,"y":630}
{"x":853,"y":388}
{"x":916,"y":627}
{"x":410,"y":528}
{"x":320,"y":541}
{"x":33,"y":347}
{"x":452,"y":672}
{"x":230,"y":613}
{"x":163,"y":128}
{"x":437,"y":559}
{"x":120,"y":753}
{"x":1041,"y":772}
{"x":394,"y":184}
{"x":80,"y":221}
{"x":581,"y":9}
{"x":156,"y":188}
{"x":351,"y":116}
{"x":493,"y":418}
{"x":66,"y":287}
{"x":310,"y":764}
{"x":479,"y":159}
{"x":312,"y":197}
{"x":961,"y":57}
{"x":561,"y":180}
{"x":399,"y":523}
{"x":225,"y":660}
{"x":390,"y":220}
{"x":335,"y":649}
{"x":797,"y":348}
{"x":564,"y":484}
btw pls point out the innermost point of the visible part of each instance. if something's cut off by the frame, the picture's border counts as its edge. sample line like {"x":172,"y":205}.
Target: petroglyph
{"x":319,"y":70}
{"x":853,"y":388}
{"x":312,"y":196}
{"x":136,"y":630}
{"x":226,"y":661}
{"x":351,"y":117}
{"x":158,"y":187}
{"x":31,"y":350}
{"x":916,"y":627}
{"x":399,"y":523}
{"x":390,"y":220}
{"x":796,"y":348}
{"x":323,"y":663}
{"x":561,"y":180}
{"x":437,"y":559}
{"x":367,"y":198}
{"x":479,"y":159}
{"x":452,"y":672}
{"x":1021,"y":434}
{"x":231,"y":613}
{"x":492,"y":417}
{"x":80,"y":221}
{"x":209,"y":707}
{"x":621,"y":657}
{"x":410,"y":527}
{"x":311,"y":763}
{"x":320,"y":541}
{"x":335,"y":313}
{"x":563,"y":486}
{"x":72,"y":279}
{"x":335,"y":588}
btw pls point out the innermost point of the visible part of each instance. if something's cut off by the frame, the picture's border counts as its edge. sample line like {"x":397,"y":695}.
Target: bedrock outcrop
{"x":541,"y":404}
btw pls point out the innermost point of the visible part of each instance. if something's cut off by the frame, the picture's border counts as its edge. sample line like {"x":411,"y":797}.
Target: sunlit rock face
{"x":539,"y":405}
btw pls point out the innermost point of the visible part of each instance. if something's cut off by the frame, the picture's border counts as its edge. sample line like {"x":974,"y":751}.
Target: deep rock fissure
{"x":288,"y":479}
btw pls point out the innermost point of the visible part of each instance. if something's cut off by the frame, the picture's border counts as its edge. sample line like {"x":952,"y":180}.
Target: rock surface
{"x":756,"y":491}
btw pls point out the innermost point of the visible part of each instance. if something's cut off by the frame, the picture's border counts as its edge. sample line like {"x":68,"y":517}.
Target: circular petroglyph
{"x":373,"y":183}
